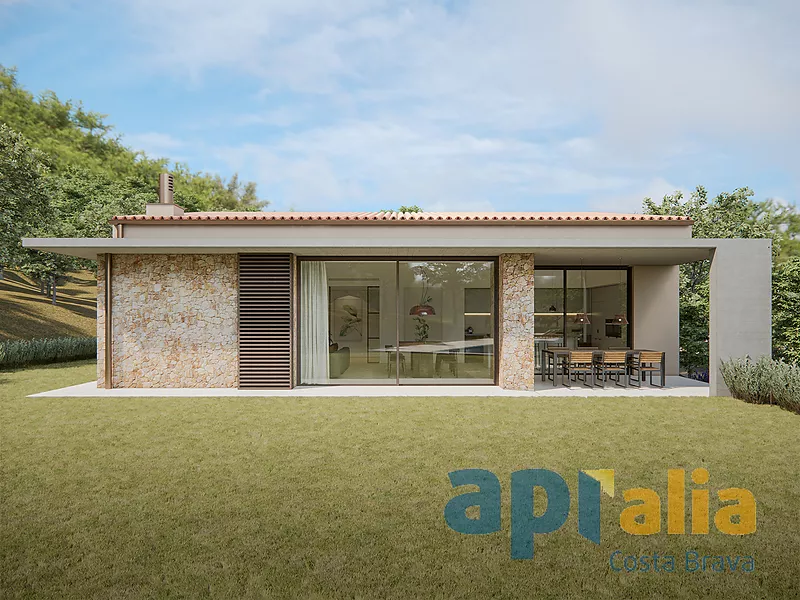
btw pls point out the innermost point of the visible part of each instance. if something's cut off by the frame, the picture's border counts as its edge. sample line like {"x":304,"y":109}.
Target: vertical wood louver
{"x":265,"y":321}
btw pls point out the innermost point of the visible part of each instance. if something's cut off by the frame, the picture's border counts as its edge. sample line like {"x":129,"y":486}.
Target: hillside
{"x":26,"y":313}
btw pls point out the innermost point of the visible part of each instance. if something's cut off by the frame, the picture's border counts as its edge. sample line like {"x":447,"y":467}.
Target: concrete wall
{"x":342,"y":236}
{"x":656,"y":312}
{"x":740,"y":305}
{"x":517,"y":349}
{"x":174,"y":321}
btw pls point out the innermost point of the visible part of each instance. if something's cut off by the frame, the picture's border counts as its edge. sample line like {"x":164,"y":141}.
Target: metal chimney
{"x":165,"y":207}
{"x":166,"y":187}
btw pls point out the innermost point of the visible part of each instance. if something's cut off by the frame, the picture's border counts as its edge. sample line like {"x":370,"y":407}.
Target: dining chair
{"x":579,"y":362}
{"x":450,"y":358}
{"x":644,"y":362}
{"x":614,"y":364}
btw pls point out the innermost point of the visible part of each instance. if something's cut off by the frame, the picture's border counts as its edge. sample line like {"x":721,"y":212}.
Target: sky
{"x":451,"y":105}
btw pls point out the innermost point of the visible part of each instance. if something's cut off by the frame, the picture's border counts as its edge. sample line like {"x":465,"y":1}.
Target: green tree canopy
{"x":786,"y":311}
{"x":728,"y":215}
{"x":24,"y":202}
{"x":71,"y":137}
{"x":409,"y":209}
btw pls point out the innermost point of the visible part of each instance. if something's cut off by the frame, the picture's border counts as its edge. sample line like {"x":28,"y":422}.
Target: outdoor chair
{"x":549,"y":369}
{"x":646,"y":362}
{"x":579,"y":363}
{"x":613,"y":364}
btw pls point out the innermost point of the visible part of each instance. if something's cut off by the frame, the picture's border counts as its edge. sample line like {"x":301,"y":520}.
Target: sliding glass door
{"x":397,"y":322}
{"x":446,"y":322}
{"x":548,"y":310}
{"x":581,"y":308}
{"x":354,"y":321}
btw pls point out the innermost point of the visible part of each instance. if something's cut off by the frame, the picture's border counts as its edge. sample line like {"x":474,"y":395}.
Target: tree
{"x":786,"y":311}
{"x":24,"y":203}
{"x":84,"y":201}
{"x":784,"y":220}
{"x":728,"y":215}
{"x":409,"y":209}
{"x":70,"y":136}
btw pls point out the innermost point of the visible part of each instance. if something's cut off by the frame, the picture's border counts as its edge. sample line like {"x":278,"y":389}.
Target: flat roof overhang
{"x":598,"y":252}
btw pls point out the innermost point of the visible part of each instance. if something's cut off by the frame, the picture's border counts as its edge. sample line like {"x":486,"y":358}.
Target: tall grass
{"x":19,"y":353}
{"x":765,"y":381}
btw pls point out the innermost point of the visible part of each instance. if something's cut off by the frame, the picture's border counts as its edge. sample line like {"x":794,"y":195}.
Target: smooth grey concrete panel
{"x":656,"y":314}
{"x":740,"y":305}
{"x":410,"y":234}
{"x":563,"y":251}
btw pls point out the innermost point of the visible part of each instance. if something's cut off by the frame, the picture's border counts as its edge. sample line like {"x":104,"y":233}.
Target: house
{"x":276,"y":300}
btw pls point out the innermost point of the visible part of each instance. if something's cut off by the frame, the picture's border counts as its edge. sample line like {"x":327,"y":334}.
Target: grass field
{"x":27,"y":313}
{"x":344,"y":497}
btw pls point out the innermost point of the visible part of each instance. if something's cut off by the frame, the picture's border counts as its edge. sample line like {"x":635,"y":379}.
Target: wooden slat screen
{"x":265,"y":321}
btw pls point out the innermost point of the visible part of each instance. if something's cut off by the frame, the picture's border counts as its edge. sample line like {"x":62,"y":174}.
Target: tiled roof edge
{"x":420,"y":218}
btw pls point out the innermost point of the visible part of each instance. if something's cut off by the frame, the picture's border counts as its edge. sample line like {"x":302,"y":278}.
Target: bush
{"x":765,"y":381}
{"x":18,"y":353}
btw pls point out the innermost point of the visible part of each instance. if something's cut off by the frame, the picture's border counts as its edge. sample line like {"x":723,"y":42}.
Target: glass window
{"x":356,"y":317}
{"x":548,"y":308}
{"x":356,"y":327}
{"x":601,"y":294}
{"x":447,"y":318}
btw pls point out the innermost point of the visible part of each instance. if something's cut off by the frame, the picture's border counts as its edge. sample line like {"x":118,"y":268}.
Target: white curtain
{"x":314,"y":360}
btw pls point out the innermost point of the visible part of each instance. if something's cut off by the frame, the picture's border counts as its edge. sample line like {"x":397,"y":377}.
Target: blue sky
{"x":501,"y":104}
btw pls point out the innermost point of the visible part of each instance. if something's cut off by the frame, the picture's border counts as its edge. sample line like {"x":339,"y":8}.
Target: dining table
{"x":423,"y":354}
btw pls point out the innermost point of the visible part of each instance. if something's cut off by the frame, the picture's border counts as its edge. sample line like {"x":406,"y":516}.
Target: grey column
{"x":740,"y":305}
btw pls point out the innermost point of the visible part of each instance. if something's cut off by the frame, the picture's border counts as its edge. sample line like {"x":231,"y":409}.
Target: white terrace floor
{"x":676,"y":386}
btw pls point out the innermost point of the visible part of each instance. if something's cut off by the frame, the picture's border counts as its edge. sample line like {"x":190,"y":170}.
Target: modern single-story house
{"x":276,"y":300}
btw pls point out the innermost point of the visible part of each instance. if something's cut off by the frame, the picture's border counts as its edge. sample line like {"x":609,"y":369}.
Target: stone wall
{"x":517,"y":348}
{"x":174,"y":320}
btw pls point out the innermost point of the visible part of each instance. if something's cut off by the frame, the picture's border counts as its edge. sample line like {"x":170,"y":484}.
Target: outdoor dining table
{"x":551,"y":357}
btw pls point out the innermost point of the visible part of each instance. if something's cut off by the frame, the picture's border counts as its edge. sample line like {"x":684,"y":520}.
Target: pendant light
{"x":583,"y":317}
{"x":620,"y":318}
{"x":423,"y":309}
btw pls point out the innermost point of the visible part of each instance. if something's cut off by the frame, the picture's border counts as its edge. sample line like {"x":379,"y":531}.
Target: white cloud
{"x":630,"y":200}
{"x":479,"y":100}
{"x":155,"y":144}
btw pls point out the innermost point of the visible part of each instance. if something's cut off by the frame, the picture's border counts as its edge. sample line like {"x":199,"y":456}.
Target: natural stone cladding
{"x":517,"y":349}
{"x":174,"y":321}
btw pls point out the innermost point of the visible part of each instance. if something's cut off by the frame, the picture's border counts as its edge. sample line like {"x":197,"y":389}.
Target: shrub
{"x":18,"y":353}
{"x":765,"y":381}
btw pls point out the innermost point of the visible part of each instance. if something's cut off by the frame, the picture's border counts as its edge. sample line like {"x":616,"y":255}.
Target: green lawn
{"x":330,"y":497}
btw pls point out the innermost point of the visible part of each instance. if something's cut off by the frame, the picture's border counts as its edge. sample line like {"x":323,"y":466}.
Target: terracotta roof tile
{"x":423,"y":217}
